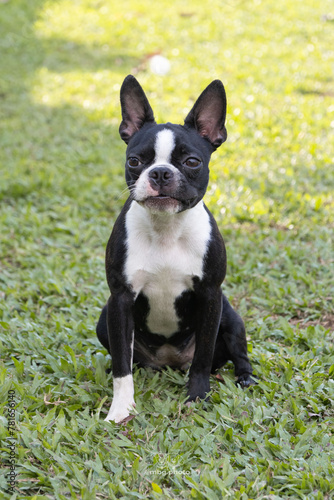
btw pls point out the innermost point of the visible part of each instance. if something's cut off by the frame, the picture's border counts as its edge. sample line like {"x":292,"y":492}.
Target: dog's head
{"x":167,"y":166}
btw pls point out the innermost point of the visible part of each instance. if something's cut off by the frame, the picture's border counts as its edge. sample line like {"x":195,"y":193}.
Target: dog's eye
{"x":192,"y":162}
{"x":133,"y":162}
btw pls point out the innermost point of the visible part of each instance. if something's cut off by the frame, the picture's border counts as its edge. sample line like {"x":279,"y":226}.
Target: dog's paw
{"x":198,"y":387}
{"x":118,"y":413}
{"x":198,"y":394}
{"x":123,"y":400}
{"x":195,"y":398}
{"x":192,"y":399}
{"x":246,"y":380}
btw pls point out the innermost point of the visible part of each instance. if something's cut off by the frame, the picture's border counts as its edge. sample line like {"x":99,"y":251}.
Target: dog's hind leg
{"x":231,"y":345}
{"x":102,"y":329}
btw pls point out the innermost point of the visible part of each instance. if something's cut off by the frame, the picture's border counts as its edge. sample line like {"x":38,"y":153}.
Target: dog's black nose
{"x":161,"y":175}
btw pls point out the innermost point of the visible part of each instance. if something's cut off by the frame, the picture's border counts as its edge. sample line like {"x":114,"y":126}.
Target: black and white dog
{"x":165,"y":259}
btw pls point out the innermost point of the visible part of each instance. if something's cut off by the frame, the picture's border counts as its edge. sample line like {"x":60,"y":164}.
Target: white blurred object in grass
{"x":159,"y":65}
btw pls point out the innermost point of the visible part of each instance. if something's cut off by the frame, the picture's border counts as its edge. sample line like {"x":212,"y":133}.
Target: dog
{"x":166,"y":259}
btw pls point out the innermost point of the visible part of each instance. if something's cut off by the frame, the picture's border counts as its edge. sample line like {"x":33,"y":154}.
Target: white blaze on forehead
{"x":164,"y":145}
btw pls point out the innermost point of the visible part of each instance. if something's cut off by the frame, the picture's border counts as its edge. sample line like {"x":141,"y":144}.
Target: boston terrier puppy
{"x":165,"y":259}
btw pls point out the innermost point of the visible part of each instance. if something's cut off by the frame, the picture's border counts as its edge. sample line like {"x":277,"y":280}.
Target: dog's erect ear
{"x":136,"y":110}
{"x":208,"y":114}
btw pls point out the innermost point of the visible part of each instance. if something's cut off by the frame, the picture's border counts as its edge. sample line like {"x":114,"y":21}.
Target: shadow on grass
{"x":48,"y":150}
{"x":316,"y":92}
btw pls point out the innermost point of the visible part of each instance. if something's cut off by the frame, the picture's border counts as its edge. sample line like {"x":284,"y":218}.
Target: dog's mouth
{"x":162,"y":203}
{"x":162,"y":196}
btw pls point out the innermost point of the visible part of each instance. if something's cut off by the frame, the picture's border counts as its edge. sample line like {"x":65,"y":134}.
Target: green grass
{"x":271,"y":191}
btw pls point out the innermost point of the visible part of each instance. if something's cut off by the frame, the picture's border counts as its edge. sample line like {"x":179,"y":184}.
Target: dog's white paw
{"x":123,"y":401}
{"x":119,"y":413}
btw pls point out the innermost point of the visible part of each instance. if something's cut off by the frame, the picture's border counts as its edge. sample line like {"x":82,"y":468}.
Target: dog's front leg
{"x":208,"y":319}
{"x":121,"y":338}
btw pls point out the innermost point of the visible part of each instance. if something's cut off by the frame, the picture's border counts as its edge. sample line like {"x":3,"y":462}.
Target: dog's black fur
{"x":167,"y":173}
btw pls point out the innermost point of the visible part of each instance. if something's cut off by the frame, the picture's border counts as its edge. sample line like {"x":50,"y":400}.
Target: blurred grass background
{"x":62,"y":178}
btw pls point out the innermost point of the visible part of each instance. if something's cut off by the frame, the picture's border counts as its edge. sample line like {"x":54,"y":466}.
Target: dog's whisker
{"x":124,"y":192}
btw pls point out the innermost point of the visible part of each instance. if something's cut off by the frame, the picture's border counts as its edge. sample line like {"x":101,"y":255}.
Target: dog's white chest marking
{"x":164,"y":254}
